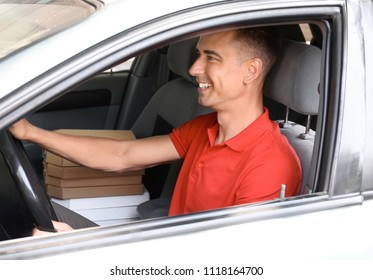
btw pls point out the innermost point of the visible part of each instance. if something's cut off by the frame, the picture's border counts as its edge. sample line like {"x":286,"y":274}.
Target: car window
{"x":24,"y":22}
{"x":124,"y":66}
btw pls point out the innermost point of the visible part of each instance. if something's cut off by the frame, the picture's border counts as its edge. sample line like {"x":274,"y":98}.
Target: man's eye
{"x":211,"y":58}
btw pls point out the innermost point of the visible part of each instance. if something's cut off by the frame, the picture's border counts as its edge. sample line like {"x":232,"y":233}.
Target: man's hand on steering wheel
{"x":20,"y":129}
{"x":58,"y":226}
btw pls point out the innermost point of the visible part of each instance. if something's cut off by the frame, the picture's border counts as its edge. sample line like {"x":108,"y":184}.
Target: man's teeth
{"x":204,"y":85}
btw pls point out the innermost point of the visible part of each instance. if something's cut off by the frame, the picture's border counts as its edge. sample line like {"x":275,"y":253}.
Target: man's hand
{"x":20,"y":129}
{"x":58,"y":226}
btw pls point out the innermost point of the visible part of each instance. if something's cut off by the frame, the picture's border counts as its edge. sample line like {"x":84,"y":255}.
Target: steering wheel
{"x":29,"y":186}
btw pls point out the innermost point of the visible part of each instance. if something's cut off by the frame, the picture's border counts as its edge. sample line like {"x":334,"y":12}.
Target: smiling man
{"x":233,"y":156}
{"x":236,"y":155}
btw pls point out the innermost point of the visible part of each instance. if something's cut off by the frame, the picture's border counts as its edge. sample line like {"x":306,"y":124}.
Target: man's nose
{"x":197,"y":67}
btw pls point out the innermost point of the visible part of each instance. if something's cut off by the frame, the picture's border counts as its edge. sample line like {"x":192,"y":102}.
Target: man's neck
{"x":233,"y":122}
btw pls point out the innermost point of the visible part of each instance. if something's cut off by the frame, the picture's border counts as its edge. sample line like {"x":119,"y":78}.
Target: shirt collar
{"x":246,"y":136}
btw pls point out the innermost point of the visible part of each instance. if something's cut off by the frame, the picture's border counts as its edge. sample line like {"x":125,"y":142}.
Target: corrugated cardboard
{"x":91,"y":182}
{"x":86,"y":192}
{"x":70,"y":172}
{"x":67,"y":180}
{"x":112,"y":134}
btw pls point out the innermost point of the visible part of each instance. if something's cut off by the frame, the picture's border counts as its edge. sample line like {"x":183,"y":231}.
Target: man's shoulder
{"x":196,"y":125}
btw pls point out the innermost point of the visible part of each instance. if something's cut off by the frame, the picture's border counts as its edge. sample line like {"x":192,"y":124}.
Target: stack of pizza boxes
{"x":67,"y":180}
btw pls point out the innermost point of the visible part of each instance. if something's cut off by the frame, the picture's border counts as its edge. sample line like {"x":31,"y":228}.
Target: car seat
{"x":298,"y":64}
{"x":294,"y":82}
{"x":173,"y":104}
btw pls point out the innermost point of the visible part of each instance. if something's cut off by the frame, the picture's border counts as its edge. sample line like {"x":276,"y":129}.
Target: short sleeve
{"x":184,"y":135}
{"x":180,"y":138}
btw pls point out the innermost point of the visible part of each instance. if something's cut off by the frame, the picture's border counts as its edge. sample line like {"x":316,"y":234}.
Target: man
{"x":232,"y":156}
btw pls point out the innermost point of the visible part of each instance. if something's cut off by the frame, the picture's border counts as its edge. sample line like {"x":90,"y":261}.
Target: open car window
{"x":99,"y":94}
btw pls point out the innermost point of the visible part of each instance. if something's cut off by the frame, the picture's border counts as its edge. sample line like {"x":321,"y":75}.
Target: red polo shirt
{"x":249,"y":167}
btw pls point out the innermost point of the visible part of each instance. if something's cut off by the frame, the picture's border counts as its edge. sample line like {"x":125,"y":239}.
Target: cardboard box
{"x":86,"y":192}
{"x":57,"y":160}
{"x":112,"y":134}
{"x":124,"y":201}
{"x":114,"y":213}
{"x":92,"y":182}
{"x":67,"y":180}
{"x":69,"y":172}
{"x":109,"y":210}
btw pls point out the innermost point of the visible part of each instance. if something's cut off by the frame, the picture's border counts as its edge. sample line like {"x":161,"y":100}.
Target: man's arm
{"x":100,"y":153}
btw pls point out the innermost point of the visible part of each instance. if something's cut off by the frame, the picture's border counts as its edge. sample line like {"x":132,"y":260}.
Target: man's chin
{"x":202,"y":102}
{"x":205,"y":104}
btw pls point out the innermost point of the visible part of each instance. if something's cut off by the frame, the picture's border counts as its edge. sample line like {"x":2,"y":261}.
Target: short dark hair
{"x":259,"y":42}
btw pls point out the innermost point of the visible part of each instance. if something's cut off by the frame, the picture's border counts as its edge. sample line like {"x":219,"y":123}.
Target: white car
{"x":54,"y":63}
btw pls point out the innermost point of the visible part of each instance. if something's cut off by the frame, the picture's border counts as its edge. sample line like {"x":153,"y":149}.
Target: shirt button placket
{"x":197,"y":170}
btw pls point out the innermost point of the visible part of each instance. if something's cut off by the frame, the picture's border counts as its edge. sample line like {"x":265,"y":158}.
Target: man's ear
{"x":254,"y":68}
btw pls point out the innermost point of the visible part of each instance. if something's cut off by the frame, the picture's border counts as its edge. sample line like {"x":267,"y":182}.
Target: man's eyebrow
{"x":211,"y":52}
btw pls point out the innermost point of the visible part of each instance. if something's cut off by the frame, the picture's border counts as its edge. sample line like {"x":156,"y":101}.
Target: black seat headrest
{"x":181,"y":55}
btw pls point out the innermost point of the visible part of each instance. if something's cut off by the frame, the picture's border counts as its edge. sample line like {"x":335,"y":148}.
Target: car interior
{"x":157,"y":94}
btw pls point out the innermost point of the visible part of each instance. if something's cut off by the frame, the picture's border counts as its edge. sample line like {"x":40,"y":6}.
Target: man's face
{"x":218,"y":71}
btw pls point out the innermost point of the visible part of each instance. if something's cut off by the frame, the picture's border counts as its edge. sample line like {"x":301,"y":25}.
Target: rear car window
{"x":24,"y":22}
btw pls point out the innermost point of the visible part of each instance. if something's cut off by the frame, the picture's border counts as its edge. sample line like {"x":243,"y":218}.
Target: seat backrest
{"x":294,"y":82}
{"x":173,"y":104}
